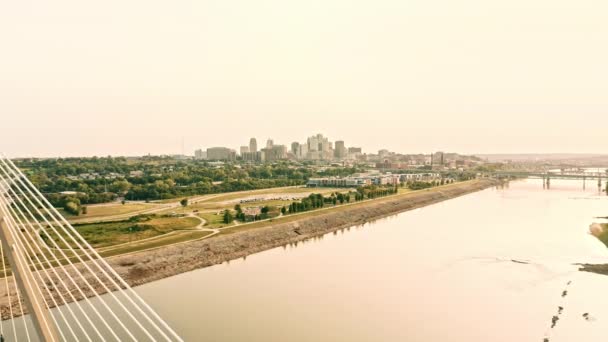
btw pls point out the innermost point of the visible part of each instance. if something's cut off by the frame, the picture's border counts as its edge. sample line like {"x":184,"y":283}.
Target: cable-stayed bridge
{"x":52,"y":273}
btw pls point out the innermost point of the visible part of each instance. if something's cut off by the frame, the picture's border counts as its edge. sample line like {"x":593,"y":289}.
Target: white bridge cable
{"x":44,"y":270}
{"x":84,"y":263}
{"x":14,"y":231}
{"x":57,"y":217}
{"x":77,"y":272}
{"x":54,"y":214}
{"x":8,"y":294}
{"x":38,"y":273}
{"x":76,"y":286}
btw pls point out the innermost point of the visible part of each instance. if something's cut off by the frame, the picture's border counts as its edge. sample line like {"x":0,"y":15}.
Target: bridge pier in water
{"x":584,"y":182}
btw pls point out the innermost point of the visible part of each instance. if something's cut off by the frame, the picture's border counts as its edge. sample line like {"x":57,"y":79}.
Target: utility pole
{"x":25,"y":281}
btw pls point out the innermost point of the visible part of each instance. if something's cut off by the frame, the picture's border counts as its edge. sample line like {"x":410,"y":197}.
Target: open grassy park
{"x":120,"y":228}
{"x":103,"y":211}
{"x":123,"y":228}
{"x":117,"y":228}
{"x":105,"y":234}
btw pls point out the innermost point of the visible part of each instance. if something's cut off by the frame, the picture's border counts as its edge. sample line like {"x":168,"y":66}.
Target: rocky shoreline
{"x":147,"y":266}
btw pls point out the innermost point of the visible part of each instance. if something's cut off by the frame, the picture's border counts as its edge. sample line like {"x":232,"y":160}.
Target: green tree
{"x":228,"y":218}
{"x":283,"y":210}
{"x":120,"y":186}
{"x":72,"y":208}
{"x":184,"y":202}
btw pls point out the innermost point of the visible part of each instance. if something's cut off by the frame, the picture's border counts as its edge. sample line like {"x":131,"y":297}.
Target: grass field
{"x":178,"y":237}
{"x":214,"y":220}
{"x":115,"y":209}
{"x":107,"y":210}
{"x":105,"y":234}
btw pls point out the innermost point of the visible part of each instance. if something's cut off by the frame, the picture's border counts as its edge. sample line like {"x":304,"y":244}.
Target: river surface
{"x":488,"y":266}
{"x":495,"y":265}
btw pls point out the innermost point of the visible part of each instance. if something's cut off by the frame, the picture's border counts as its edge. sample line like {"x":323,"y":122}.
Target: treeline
{"x":418,"y":185}
{"x":99,"y":180}
{"x":166,"y":190}
{"x":316,"y":201}
{"x":265,"y":212}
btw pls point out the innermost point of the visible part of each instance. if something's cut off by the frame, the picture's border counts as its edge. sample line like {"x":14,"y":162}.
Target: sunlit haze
{"x":137,"y":77}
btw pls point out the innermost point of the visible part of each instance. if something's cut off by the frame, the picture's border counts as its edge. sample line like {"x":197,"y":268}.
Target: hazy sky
{"x":131,"y":77}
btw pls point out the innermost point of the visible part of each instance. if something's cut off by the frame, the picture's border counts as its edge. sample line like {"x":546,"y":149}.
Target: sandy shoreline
{"x":148,"y":266}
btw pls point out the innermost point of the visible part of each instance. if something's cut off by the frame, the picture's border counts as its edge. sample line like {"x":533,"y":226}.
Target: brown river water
{"x":495,"y":265}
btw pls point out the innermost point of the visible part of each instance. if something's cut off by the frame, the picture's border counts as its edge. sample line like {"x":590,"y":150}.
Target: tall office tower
{"x":269,"y":143}
{"x":295,"y":148}
{"x":340,"y":150}
{"x":313,"y":144}
{"x":253,"y":145}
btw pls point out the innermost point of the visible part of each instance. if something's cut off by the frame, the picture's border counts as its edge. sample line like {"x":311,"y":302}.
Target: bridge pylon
{"x":25,"y":281}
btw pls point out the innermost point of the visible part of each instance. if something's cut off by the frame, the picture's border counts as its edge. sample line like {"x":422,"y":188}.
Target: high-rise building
{"x":276,"y":152}
{"x":253,"y":145}
{"x":340,"y":150}
{"x":303,"y":151}
{"x":437,"y":158}
{"x":313,"y":144}
{"x":269,"y":143}
{"x":244,"y":149}
{"x":200,"y":154}
{"x":354,"y":152}
{"x":319,"y":147}
{"x":252,"y":156}
{"x":220,"y":153}
{"x":295,"y":148}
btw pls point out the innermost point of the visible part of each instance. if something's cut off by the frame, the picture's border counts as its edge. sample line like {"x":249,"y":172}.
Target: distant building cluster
{"x":436,"y":161}
{"x":94,"y":176}
{"x":316,"y":147}
{"x":372,"y":178}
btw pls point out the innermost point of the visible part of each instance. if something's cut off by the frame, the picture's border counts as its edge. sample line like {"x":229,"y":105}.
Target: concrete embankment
{"x":148,"y":266}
